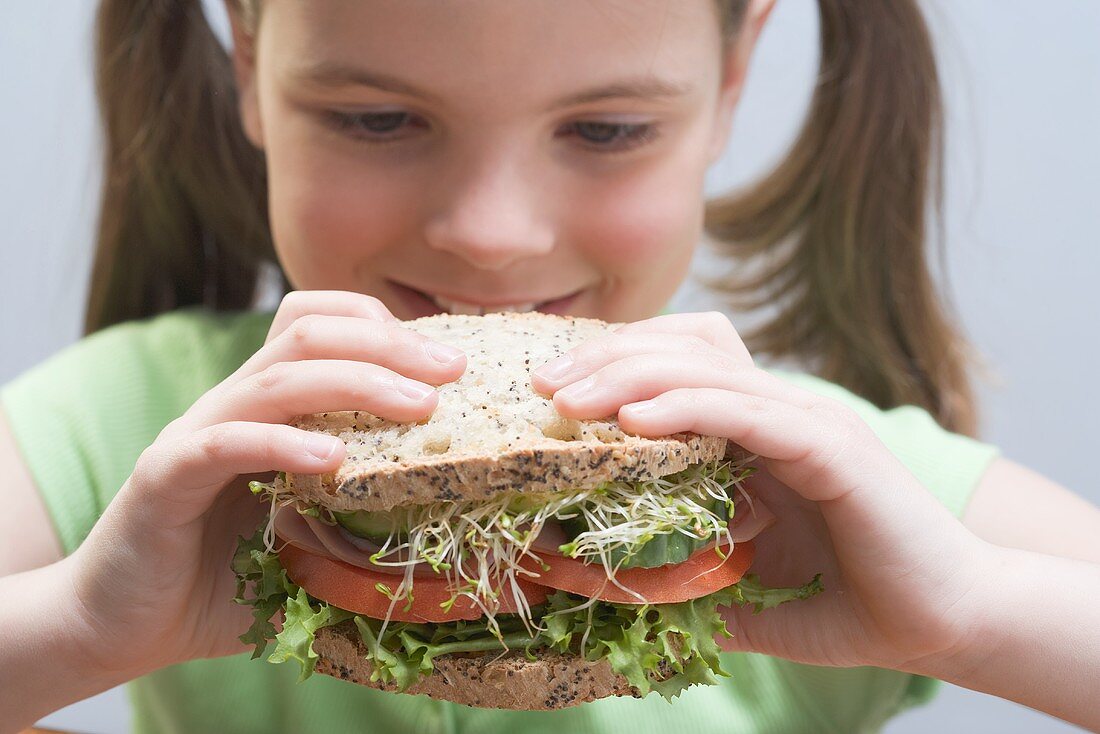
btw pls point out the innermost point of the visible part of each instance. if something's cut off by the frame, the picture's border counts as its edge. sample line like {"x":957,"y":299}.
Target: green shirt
{"x":82,"y":418}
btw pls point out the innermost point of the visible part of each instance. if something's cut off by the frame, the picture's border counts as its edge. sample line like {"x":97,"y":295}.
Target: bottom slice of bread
{"x":508,"y":681}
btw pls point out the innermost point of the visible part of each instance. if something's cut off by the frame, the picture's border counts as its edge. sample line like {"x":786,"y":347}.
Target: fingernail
{"x":578,"y":389}
{"x":443,"y":353}
{"x":646,"y":407}
{"x":414,"y":390}
{"x":556,"y":369}
{"x":321,"y":446}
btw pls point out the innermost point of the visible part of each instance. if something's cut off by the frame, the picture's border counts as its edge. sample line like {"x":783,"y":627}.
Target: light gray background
{"x":1022,"y":82}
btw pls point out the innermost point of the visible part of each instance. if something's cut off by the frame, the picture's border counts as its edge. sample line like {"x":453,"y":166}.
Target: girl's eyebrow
{"x":335,"y":75}
{"x":646,"y":87}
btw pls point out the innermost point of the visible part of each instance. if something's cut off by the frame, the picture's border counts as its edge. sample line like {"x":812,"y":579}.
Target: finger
{"x":711,"y":326}
{"x":874,"y":507}
{"x":645,"y":376}
{"x":289,"y":389}
{"x":784,"y":630}
{"x":387,"y":344}
{"x":813,"y":448}
{"x":297,"y":304}
{"x":177,"y":481}
{"x":595,"y":354}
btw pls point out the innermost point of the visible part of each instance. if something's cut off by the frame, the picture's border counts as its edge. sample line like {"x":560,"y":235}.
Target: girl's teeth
{"x":458,"y":307}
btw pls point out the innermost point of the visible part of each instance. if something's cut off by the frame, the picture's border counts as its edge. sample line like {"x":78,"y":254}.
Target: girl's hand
{"x":898,"y":569}
{"x":152,"y":581}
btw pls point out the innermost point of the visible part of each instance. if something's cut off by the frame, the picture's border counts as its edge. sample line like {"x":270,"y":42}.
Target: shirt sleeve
{"x":81,"y":418}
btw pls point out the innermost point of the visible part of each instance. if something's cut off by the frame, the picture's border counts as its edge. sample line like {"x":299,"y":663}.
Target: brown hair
{"x":835,"y":236}
{"x":184,"y":213}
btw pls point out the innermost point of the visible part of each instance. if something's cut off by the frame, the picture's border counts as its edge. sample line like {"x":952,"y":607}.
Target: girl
{"x":395,"y":158}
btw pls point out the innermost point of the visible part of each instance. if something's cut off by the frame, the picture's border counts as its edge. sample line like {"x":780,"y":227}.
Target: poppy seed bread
{"x":489,"y":680}
{"x":491,"y":432}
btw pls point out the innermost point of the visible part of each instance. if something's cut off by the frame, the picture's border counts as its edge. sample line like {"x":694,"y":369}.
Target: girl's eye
{"x":611,"y":136}
{"x":606,"y":137}
{"x":376,"y":125}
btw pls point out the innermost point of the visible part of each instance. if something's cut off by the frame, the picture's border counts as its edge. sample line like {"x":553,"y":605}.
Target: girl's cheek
{"x":640,"y":232}
{"x":650,"y":213}
{"x":632,"y":233}
{"x":332,"y":219}
{"x":641,"y":235}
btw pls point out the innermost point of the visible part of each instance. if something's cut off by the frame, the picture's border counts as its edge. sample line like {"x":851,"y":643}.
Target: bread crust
{"x":490,"y":431}
{"x":537,"y":469}
{"x":509,"y":681}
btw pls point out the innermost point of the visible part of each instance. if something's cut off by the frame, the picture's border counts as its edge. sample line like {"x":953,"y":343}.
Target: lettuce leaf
{"x":260,"y":572}
{"x":302,"y":622}
{"x":661,"y":647}
{"x":749,"y":590}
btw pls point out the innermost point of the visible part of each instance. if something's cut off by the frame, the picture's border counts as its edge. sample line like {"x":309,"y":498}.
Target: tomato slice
{"x":701,"y":574}
{"x":353,"y":588}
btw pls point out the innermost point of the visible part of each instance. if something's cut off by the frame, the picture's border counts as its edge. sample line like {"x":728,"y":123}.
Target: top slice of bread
{"x":491,"y":432}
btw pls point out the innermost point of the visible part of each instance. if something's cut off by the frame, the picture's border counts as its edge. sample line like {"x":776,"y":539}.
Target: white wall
{"x":1023,"y":87}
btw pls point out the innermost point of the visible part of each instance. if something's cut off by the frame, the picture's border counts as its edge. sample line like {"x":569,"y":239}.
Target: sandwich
{"x":500,"y":555}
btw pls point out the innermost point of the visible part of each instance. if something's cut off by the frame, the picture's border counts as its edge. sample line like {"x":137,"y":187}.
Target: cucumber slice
{"x":574,"y":526}
{"x":660,"y":550}
{"x":374,"y":526}
{"x":672,"y":547}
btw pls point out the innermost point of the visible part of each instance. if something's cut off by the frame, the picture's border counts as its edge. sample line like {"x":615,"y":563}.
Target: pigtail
{"x":184,"y":214}
{"x":836,"y":234}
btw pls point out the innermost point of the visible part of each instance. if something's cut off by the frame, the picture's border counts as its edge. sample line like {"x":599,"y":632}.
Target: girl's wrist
{"x":1031,"y":635}
{"x":49,"y":657}
{"x":976,"y":625}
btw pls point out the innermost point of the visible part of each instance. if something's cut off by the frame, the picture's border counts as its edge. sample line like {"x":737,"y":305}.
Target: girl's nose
{"x":491,"y":219}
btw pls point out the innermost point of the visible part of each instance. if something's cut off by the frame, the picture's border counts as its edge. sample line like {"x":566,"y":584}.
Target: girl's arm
{"x":44,"y":657}
{"x":1035,"y":637}
{"x":40,"y":646}
{"x":1037,"y":640}
{"x":1016,"y":507}
{"x":27,"y":537}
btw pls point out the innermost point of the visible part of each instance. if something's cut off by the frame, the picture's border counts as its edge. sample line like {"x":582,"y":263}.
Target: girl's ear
{"x":735,"y":64}
{"x":244,"y":67}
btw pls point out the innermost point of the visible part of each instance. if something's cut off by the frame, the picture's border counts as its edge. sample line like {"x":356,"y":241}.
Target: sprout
{"x":478,"y":544}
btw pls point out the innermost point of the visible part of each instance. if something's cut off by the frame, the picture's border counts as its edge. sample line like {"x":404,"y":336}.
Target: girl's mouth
{"x":422,"y":304}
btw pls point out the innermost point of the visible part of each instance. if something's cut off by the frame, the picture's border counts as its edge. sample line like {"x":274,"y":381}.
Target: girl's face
{"x":446,"y":155}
